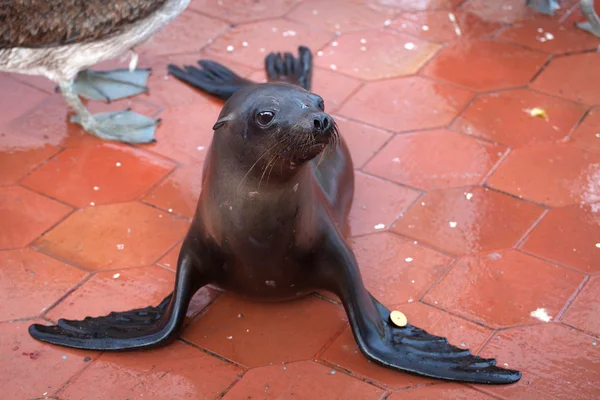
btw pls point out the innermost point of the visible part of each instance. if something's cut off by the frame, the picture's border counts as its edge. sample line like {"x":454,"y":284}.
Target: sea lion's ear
{"x":221,"y":121}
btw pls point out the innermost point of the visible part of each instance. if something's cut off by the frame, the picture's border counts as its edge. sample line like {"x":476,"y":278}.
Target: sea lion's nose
{"x":322,"y":122}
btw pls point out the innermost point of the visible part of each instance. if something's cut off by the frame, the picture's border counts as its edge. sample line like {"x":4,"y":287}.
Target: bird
{"x":592,"y":23}
{"x":62,"y":39}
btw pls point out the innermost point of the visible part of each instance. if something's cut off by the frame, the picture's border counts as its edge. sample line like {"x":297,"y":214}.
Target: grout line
{"x":435,"y":282}
{"x":531,"y":228}
{"x":550,"y":261}
{"x":213,"y":354}
{"x":67,"y":294}
{"x":572,"y":298}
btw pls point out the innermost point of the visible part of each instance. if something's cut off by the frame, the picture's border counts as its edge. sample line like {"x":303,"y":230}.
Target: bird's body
{"x":61,"y":39}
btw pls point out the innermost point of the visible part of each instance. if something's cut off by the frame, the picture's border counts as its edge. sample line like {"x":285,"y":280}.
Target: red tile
{"x":179,"y":192}
{"x":31,"y":282}
{"x":550,"y":36}
{"x":20,"y":154}
{"x":558,"y":78}
{"x":32,"y":369}
{"x":340,"y":16}
{"x":36,"y":81}
{"x":584,"y":313}
{"x":502,"y":289}
{"x":553,"y":174}
{"x":301,"y":380}
{"x":387,"y":54}
{"x":505,"y":118}
{"x":406,"y":104}
{"x":257,"y":334}
{"x":16,"y":98}
{"x":264,"y":37}
{"x":345,"y":353}
{"x":507,"y":11}
{"x":486,"y":65}
{"x":568,"y":235}
{"x":444,"y":391}
{"x":195,"y":29}
{"x":438,"y":159}
{"x":118,"y":290}
{"x":100,"y":174}
{"x":412,"y":5}
{"x":25,"y":215}
{"x":169,"y":261}
{"x":556,"y":361}
{"x":333,"y":87}
{"x":587,"y":135}
{"x":363,"y":140}
{"x":175,"y":372}
{"x":438,"y":26}
{"x":377,"y":204}
{"x":244,"y":10}
{"x":114,"y":236}
{"x":396,"y":270}
{"x":463,"y":221}
{"x":186,"y":133}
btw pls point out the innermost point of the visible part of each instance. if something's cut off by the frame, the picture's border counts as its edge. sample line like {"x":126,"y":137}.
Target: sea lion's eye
{"x":264,"y":117}
{"x":322,"y":105}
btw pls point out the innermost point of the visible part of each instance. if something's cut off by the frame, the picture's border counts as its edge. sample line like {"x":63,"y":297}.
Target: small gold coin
{"x":398,"y":318}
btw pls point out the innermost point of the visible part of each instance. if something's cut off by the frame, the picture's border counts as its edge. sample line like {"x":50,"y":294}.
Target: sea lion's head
{"x":276,"y":123}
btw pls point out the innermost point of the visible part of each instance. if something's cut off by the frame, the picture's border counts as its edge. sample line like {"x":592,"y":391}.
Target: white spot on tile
{"x":96,"y":188}
{"x":92,"y":203}
{"x":244,"y":44}
{"x":319,"y":53}
{"x":118,"y":164}
{"x":333,"y":67}
{"x":379,"y":226}
{"x":549,"y":36}
{"x":598,"y":245}
{"x":120,"y":246}
{"x":229,"y":337}
{"x":408,"y":259}
{"x":452,"y":224}
{"x":409,"y":46}
{"x":387,"y":22}
{"x":289,"y":33}
{"x":230,"y":48}
{"x":541,"y":314}
{"x":363,"y":40}
{"x":115,"y":276}
{"x":396,"y":160}
{"x":334,"y":44}
{"x":425,"y":27}
{"x":469,"y":196}
{"x":170,"y":210}
{"x":200,"y":148}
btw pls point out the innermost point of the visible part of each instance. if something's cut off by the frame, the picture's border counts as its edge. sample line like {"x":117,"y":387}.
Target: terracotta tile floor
{"x":469,"y":213}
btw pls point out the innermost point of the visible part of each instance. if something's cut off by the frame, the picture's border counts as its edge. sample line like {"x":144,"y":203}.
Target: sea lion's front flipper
{"x":136,"y":329}
{"x":287,"y":68}
{"x":405,"y":348}
{"x":213,"y":78}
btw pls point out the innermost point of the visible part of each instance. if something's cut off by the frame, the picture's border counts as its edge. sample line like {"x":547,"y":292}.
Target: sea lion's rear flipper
{"x":136,"y":329}
{"x":407,"y":348}
{"x":212,"y":78}
{"x":290,"y":69}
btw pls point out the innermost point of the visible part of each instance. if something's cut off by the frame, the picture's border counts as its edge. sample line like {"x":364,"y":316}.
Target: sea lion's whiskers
{"x":253,"y":165}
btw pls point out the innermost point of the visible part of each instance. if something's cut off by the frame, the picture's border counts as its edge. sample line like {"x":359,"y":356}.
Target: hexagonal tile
{"x":20,"y":154}
{"x":186,"y":133}
{"x":339,"y":16}
{"x":333,"y":87}
{"x":179,"y":193}
{"x":31,"y":282}
{"x":266,"y":332}
{"x":568,"y":235}
{"x":363,"y":140}
{"x":301,"y":380}
{"x":438,"y":159}
{"x":406,"y":104}
{"x":16,"y":98}
{"x":502,"y":289}
{"x":396,"y":270}
{"x":486,"y":65}
{"x":556,"y":362}
{"x":444,"y":391}
{"x":553,"y":174}
{"x":505,"y":118}
{"x":467,"y":221}
{"x":507,"y":11}
{"x":377,"y":204}
{"x":587,"y":135}
{"x":22,"y":356}
{"x":244,"y":10}
{"x":584,"y":313}
{"x":558,"y":78}
{"x":198,"y":31}
{"x":550,"y":36}
{"x":176,"y":371}
{"x":114,"y":236}
{"x":387,"y":54}
{"x":345,"y":353}
{"x":100,"y":174}
{"x":117,"y":290}
{"x":264,"y":37}
{"x":25,"y":215}
{"x":412,"y":5}
{"x":437,"y":26}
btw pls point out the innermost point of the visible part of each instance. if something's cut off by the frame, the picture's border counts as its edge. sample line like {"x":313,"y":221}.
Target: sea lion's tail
{"x":141,"y":328}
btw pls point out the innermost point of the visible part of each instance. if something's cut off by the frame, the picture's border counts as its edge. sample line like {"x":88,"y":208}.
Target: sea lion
{"x":277,"y":184}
